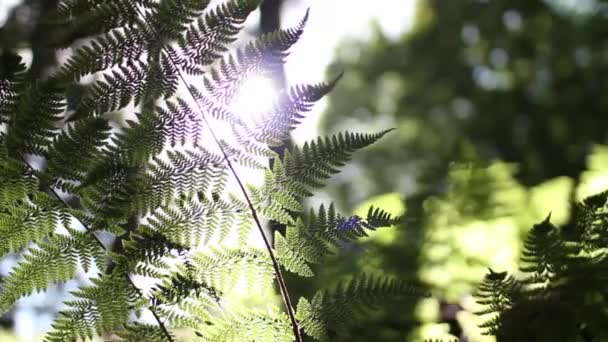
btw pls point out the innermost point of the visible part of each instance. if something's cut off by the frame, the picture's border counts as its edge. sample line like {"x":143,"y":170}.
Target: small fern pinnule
{"x":140,"y":142}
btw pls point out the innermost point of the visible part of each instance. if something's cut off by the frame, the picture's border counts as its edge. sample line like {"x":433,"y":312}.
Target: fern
{"x":329,"y":310}
{"x":560,"y":295}
{"x":164,"y":184}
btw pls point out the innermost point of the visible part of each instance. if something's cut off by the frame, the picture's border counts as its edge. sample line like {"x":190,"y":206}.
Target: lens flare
{"x":255,"y":98}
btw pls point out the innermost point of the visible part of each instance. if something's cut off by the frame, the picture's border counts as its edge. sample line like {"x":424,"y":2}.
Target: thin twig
{"x":152,"y":309}
{"x":275,"y":264}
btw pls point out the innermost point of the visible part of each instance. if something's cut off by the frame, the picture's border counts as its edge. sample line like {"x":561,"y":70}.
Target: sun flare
{"x":255,"y":97}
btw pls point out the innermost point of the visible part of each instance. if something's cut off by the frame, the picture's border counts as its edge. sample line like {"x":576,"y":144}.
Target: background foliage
{"x":499,"y":118}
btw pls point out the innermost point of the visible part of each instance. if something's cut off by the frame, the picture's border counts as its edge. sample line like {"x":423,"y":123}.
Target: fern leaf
{"x":99,"y":308}
{"x":249,"y":326}
{"x":137,"y":332}
{"x":287,"y":112}
{"x":12,"y":70}
{"x":290,"y":258}
{"x":83,"y":18}
{"x":258,"y":58}
{"x":108,"y":50}
{"x":170,"y":18}
{"x":51,"y":262}
{"x":308,"y":166}
{"x":334,"y":309}
{"x":206,"y":40}
{"x":115,"y":91}
{"x":76,"y":148}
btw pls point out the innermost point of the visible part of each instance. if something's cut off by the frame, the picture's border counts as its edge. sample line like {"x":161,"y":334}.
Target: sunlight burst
{"x":255,"y":98}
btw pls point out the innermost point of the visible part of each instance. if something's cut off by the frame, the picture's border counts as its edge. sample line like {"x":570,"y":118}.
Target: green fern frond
{"x":308,"y":166}
{"x":543,"y":252}
{"x":83,"y":18}
{"x":33,"y":124}
{"x":137,"y":332}
{"x":146,"y":246}
{"x":185,"y":301}
{"x":591,"y":220}
{"x":335,"y":309}
{"x":223,"y":268}
{"x":258,"y":58}
{"x":12,"y":70}
{"x":205,"y":40}
{"x":193,"y":223}
{"x":29,"y":221}
{"x":310,"y":241}
{"x":97,"y":309}
{"x":258,"y":325}
{"x":287,"y":112}
{"x":170,"y":18}
{"x":140,"y":140}
{"x":115,"y":91}
{"x":76,"y":148}
{"x":16,"y":180}
{"x":181,"y":123}
{"x":113,"y":48}
{"x":53,"y":261}
{"x":153,"y":184}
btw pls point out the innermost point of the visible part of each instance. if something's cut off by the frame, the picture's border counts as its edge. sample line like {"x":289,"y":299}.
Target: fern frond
{"x":185,"y":301}
{"x":194,"y":222}
{"x":83,"y":18}
{"x":497,"y":293}
{"x":107,"y":192}
{"x":249,"y":326}
{"x":76,"y":148}
{"x":51,"y":262}
{"x":156,"y":188}
{"x":137,"y":332}
{"x":591,"y":222}
{"x":543,"y":252}
{"x":170,"y":18}
{"x":334,"y":309}
{"x":308,"y":166}
{"x":29,"y":220}
{"x":294,"y":252}
{"x":222,"y":268}
{"x":287,"y":112}
{"x":34,"y":122}
{"x":181,"y":123}
{"x":206,"y":40}
{"x":311,"y":240}
{"x":148,"y":247}
{"x":115,"y":91}
{"x":258,"y":58}
{"x":16,"y":181}
{"x":12,"y":70}
{"x":141,"y":139}
{"x":110,"y":49}
{"x":100,"y":308}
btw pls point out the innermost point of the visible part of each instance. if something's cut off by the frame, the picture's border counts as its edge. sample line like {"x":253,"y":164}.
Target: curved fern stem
{"x":275,"y":263}
{"x":161,"y":324}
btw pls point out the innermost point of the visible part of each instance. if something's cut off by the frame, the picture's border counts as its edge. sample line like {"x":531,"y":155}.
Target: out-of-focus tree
{"x":497,"y":106}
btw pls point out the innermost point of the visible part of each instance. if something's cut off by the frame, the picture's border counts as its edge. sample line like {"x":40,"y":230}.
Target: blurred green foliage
{"x":500,"y":117}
